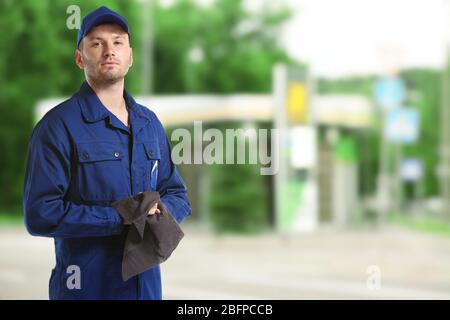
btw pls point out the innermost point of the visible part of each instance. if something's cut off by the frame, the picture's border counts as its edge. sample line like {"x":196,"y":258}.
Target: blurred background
{"x":359,"y":93}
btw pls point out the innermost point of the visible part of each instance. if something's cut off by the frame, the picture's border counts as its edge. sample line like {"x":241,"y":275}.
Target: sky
{"x":339,"y":38}
{"x":356,"y":37}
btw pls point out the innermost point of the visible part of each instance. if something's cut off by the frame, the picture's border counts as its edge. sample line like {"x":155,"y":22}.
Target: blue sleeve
{"x":47,"y":179}
{"x":170,"y":185}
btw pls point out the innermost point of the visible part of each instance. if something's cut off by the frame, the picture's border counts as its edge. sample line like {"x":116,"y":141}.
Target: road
{"x":392,"y":263}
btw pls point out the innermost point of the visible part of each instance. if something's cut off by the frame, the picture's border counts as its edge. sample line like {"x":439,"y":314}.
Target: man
{"x":95,"y":148}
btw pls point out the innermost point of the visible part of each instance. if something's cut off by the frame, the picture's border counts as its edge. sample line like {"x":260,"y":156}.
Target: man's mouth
{"x":110,"y":63}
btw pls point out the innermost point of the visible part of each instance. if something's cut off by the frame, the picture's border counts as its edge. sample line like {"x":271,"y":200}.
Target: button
{"x":116,"y":154}
{"x":85,"y":155}
{"x":150,"y":153}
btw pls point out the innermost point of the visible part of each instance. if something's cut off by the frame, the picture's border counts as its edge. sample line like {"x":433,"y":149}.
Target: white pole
{"x":279,"y":89}
{"x":444,"y":173}
{"x":147,"y":47}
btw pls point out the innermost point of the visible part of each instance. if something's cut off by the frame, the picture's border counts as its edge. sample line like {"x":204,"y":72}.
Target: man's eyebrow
{"x":95,"y":38}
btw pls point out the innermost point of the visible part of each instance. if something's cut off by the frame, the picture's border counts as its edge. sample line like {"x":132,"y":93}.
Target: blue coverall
{"x":81,"y":158}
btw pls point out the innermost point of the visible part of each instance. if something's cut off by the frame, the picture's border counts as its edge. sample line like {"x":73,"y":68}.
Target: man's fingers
{"x":154,"y":210}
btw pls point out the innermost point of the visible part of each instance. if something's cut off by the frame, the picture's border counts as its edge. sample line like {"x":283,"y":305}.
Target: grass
{"x":11,"y":219}
{"x":425,"y":224}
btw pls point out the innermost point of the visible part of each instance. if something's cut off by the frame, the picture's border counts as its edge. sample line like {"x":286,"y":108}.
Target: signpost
{"x":389,"y":93}
{"x":411,"y":169}
{"x":402,"y":126}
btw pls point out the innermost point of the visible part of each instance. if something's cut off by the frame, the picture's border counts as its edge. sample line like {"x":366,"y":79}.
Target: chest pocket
{"x":151,"y":165}
{"x":101,"y":171}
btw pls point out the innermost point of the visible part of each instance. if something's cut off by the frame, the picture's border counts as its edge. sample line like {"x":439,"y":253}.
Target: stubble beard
{"x":102,"y":78}
{"x":107,"y":78}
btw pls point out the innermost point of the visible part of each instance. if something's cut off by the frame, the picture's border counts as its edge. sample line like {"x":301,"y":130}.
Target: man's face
{"x":105,"y":54}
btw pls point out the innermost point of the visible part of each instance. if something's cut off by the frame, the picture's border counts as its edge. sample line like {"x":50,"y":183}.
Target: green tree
{"x":222,"y":48}
{"x":239,"y":199}
{"x":425,"y":88}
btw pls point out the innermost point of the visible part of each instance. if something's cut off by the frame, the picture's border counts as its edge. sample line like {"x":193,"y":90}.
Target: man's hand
{"x":154,"y":210}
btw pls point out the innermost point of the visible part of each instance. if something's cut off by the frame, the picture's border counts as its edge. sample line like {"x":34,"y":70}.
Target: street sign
{"x":303,"y":145}
{"x":402,"y":126}
{"x":411,"y":169}
{"x":389,"y":92}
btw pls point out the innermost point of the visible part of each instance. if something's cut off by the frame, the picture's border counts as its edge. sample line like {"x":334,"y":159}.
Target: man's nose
{"x":109,"y":50}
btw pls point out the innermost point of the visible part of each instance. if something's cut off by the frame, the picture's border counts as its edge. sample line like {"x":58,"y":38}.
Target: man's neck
{"x":111,"y":95}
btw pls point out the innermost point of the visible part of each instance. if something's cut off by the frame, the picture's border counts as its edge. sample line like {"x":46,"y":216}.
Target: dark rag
{"x":150,"y":239}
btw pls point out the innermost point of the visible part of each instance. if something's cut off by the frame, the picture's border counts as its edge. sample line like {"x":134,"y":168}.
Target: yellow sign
{"x":297,"y":109}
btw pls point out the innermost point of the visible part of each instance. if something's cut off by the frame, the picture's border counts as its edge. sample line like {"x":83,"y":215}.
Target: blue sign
{"x":402,"y":125}
{"x":389,"y":92}
{"x":411,"y":170}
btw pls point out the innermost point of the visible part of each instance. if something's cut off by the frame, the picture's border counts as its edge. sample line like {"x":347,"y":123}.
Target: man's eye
{"x":95,"y":44}
{"x":118,"y":42}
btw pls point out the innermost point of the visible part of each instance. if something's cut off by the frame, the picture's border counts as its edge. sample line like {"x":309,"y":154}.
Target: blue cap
{"x":100,"y":16}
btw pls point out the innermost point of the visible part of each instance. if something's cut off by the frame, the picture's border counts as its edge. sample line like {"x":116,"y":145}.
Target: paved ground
{"x":323,"y":265}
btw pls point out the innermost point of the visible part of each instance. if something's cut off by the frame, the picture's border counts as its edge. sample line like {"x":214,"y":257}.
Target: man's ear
{"x":79,"y":59}
{"x":131,"y":57}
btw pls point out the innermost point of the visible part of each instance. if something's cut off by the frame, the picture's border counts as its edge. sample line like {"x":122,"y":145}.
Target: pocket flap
{"x":99,"y":151}
{"x":152,"y":149}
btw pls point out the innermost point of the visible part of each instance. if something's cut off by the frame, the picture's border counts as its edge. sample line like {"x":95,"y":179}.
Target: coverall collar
{"x":93,"y":109}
